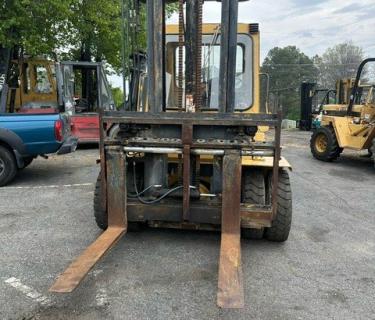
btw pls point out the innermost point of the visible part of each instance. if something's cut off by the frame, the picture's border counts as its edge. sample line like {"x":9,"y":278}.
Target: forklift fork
{"x":117,"y":225}
{"x":230,"y":286}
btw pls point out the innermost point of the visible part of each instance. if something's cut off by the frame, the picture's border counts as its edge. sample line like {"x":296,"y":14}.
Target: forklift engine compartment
{"x":188,"y":151}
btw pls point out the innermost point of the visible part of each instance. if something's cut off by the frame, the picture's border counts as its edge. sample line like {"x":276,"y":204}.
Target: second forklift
{"x":350,"y":124}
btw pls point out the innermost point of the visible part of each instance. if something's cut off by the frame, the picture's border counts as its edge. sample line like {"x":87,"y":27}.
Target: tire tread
{"x":279,"y":232}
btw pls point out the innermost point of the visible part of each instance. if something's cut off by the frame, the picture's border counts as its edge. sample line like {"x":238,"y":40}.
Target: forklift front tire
{"x":279,"y":232}
{"x":253,"y":192}
{"x":100,"y":213}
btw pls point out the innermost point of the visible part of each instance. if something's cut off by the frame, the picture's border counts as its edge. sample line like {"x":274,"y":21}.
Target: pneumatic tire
{"x":281,"y":225}
{"x":8,"y":166}
{"x":100,"y":213}
{"x":324,"y":145}
{"x":253,"y":192}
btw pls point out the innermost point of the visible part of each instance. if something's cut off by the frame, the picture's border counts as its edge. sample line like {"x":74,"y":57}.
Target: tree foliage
{"x":338,"y":62}
{"x":74,"y":29}
{"x":40,"y":27}
{"x":288,"y":67}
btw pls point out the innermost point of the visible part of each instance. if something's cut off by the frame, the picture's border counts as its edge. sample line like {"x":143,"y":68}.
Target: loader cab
{"x":32,"y":86}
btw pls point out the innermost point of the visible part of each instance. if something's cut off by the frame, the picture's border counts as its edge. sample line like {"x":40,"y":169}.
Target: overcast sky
{"x":311,"y":25}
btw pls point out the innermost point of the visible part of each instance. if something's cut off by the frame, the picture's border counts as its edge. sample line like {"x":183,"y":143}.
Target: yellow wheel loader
{"x":349,"y":125}
{"x":189,"y":151}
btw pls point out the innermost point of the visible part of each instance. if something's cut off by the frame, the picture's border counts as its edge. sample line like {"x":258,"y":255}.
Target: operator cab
{"x":84,"y":91}
{"x":247,"y":76}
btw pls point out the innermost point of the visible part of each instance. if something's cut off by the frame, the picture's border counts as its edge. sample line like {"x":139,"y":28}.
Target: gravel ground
{"x":325,"y":271}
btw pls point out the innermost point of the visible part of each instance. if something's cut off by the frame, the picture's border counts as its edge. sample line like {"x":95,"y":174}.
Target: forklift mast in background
{"x":307,"y":89}
{"x":312,"y":101}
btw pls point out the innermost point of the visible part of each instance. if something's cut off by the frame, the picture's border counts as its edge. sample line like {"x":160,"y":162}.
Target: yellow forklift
{"x":350,"y":124}
{"x":189,"y":151}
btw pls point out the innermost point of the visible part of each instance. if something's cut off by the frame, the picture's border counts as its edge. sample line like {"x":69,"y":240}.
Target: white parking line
{"x":51,"y":186}
{"x":101,"y":297}
{"x":28,"y":291}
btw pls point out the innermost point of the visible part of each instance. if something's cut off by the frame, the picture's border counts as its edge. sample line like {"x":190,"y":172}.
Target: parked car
{"x":23,"y":137}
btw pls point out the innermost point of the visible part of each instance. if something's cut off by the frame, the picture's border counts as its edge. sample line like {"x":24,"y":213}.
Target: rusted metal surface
{"x":181,"y":40}
{"x":202,"y":212}
{"x":76,"y":272}
{"x":230,"y":286}
{"x":103,"y":180}
{"x":202,"y":118}
{"x":252,"y":149}
{"x":187,"y":136}
{"x":198,"y":57}
{"x":117,"y":225}
{"x":276,"y":164}
{"x":183,"y":225}
{"x":256,"y":212}
{"x":156,"y":55}
{"x":116,"y":188}
{"x":186,"y":182}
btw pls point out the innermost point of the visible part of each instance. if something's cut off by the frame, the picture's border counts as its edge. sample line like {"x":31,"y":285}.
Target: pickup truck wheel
{"x":253,"y":192}
{"x":100,"y":213}
{"x":8,"y":166}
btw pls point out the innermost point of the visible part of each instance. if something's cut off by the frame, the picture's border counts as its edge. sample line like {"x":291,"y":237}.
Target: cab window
{"x":211,"y":72}
{"x":42,"y":83}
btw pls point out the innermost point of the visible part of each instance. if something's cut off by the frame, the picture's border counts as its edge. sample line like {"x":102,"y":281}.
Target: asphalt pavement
{"x":326,"y":270}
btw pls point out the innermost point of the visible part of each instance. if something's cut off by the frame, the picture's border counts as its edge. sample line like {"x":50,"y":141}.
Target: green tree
{"x":338,"y":62}
{"x":288,"y":67}
{"x":97,"y":30}
{"x":74,"y":29}
{"x":95,"y":33}
{"x":39,"y":27}
{"x":118,"y":96}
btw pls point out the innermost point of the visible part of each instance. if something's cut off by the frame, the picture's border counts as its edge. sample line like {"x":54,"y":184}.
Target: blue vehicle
{"x":23,"y":137}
